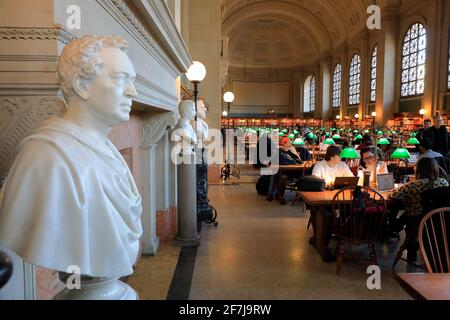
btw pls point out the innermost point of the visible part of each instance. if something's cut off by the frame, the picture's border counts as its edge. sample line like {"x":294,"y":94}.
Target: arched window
{"x":337,"y":81}
{"x":309,"y":103}
{"x":355,"y":80}
{"x":373,"y":75}
{"x":413,"y":61}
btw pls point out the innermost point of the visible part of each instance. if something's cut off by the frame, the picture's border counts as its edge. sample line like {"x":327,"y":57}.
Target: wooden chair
{"x":430,"y":200}
{"x":434,"y":233}
{"x":358,"y":216}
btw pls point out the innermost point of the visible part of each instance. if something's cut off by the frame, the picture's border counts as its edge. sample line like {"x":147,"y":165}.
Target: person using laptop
{"x":332,"y":166}
{"x":367,"y":164}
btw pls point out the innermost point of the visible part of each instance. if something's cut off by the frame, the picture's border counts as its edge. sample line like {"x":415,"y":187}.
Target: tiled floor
{"x":260,"y":250}
{"x":153,"y":275}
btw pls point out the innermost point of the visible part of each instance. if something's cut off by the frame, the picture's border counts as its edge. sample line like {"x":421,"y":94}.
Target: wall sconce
{"x":374,"y":114}
{"x":356,"y":116}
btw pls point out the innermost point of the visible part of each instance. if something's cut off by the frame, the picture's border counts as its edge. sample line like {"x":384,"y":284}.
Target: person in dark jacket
{"x":438,"y":134}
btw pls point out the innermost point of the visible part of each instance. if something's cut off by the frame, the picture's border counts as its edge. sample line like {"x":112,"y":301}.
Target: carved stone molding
{"x":18,"y":117}
{"x":121,"y":11}
{"x":155,"y":125}
{"x":36,"y":33}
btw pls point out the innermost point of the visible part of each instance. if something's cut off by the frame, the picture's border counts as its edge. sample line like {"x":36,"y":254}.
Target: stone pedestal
{"x":95,"y":288}
{"x":187,"y":205}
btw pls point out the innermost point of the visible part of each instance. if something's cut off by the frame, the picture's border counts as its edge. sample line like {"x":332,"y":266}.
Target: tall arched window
{"x":413,"y":61}
{"x":337,"y":81}
{"x":355,"y":80}
{"x":373,"y":75}
{"x":309,"y":103}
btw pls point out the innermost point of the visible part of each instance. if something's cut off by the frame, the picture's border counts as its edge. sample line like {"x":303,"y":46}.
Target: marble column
{"x":187,"y":204}
{"x":150,"y":240}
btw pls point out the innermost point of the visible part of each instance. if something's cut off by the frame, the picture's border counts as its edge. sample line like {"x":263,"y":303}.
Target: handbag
{"x":310,"y":183}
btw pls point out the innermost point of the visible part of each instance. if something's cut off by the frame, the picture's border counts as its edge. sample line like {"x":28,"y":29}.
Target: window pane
{"x":413,"y":61}
{"x":337,"y":80}
{"x":355,"y":80}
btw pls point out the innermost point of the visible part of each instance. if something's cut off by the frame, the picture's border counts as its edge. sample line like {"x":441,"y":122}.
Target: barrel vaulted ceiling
{"x":283,"y":33}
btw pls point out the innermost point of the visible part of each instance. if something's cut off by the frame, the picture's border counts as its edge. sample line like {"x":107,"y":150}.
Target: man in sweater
{"x":332,"y":166}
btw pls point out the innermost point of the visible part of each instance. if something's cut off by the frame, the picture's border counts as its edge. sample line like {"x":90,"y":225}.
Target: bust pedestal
{"x":96,"y":288}
{"x":187,"y":204}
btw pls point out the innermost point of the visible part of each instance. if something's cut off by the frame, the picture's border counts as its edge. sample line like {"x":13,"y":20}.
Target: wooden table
{"x":425,"y":286}
{"x":320,"y":205}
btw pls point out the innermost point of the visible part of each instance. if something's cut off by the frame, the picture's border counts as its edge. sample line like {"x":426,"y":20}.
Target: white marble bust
{"x":69,"y":197}
{"x":202,"y":126}
{"x":184,"y":130}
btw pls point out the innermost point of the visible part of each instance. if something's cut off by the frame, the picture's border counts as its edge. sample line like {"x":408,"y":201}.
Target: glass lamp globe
{"x":224,"y":113}
{"x":228,"y":97}
{"x":196,"y":72}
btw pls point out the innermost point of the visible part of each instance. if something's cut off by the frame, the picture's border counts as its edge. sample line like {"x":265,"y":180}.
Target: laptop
{"x":386,"y":181}
{"x":344,"y":182}
{"x":414,"y":158}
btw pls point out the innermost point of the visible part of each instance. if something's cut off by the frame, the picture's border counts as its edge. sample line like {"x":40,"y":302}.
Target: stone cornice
{"x":158,"y":16}
{"x":36,"y":33}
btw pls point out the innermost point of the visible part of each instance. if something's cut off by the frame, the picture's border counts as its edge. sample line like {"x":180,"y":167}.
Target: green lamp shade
{"x":336,"y":137}
{"x":299,"y":142}
{"x":310,"y":135}
{"x":400,"y":153}
{"x":383,"y":141}
{"x":281,"y":134}
{"x":358,"y":137}
{"x":291,"y":136}
{"x":356,"y":132}
{"x":327,"y":134}
{"x":295,"y":132}
{"x":367,"y":131}
{"x":380,"y":133}
{"x":413,"y":140}
{"x":284,"y":130}
{"x":329,"y":141}
{"x":349,"y":153}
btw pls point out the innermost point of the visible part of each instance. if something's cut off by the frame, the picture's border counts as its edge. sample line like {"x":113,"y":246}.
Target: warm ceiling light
{"x":356,"y":116}
{"x":196,"y":72}
{"x":224,"y":113}
{"x":228,"y":97}
{"x":374,"y":114}
{"x":422,"y":112}
{"x":338,"y":117}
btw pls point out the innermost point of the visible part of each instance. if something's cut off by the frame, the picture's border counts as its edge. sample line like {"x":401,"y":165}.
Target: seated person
{"x":287,"y":156}
{"x":332,"y":166}
{"x":367,"y":164}
{"x":427,"y":178}
{"x":366,"y":142}
{"x":426,"y":144}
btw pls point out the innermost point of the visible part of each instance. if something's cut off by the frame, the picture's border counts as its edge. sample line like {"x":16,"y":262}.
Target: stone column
{"x":150,"y":241}
{"x":187,"y":203}
{"x":154,"y":127}
{"x":385,"y":106}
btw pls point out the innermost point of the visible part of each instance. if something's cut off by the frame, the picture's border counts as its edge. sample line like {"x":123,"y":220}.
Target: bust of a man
{"x":202,"y":126}
{"x":69,"y":197}
{"x":184,"y":130}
